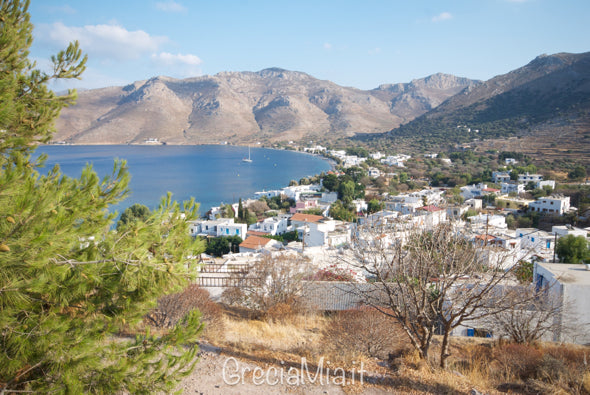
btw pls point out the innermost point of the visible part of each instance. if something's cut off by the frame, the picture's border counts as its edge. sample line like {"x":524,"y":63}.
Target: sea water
{"x":212,"y":174}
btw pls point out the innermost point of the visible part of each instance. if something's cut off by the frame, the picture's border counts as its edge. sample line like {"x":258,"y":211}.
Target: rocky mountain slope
{"x":243,"y":107}
{"x":552,"y":91}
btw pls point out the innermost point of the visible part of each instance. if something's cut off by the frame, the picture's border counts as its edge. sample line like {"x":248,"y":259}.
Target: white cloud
{"x":327,"y":46}
{"x":170,"y":6}
{"x":374,"y":51}
{"x":443,"y":16}
{"x":178,"y":65}
{"x":169,"y":59}
{"x":109,"y":41}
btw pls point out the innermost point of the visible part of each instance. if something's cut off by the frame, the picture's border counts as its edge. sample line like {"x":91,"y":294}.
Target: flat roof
{"x":568,"y":273}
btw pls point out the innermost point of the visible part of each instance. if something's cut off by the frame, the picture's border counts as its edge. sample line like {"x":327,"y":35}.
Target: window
{"x":227,"y":231}
{"x":533,"y":239}
{"x":237,"y":231}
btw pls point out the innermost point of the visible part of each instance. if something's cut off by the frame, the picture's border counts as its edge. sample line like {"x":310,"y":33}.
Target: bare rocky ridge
{"x":243,"y":107}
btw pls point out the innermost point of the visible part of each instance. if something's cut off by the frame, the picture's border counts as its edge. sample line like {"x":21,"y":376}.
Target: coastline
{"x":186,"y":170}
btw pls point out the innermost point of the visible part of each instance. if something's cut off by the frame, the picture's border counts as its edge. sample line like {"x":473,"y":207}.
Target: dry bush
{"x":516,"y":361}
{"x":171,"y":308}
{"x":272,"y":287}
{"x":363,"y":331}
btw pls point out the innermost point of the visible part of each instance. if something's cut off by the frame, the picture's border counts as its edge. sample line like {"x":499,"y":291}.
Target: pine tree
{"x":69,"y":285}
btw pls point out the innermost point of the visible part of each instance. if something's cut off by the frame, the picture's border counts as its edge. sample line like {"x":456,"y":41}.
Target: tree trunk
{"x":444,"y":350}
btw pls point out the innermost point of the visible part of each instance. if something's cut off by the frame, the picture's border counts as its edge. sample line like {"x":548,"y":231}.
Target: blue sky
{"x":353,"y":43}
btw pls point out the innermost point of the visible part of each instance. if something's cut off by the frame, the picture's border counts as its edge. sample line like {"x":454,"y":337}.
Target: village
{"x":324,"y":244}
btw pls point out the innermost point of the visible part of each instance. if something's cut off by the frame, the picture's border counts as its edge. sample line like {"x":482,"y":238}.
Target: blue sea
{"x":212,"y":174}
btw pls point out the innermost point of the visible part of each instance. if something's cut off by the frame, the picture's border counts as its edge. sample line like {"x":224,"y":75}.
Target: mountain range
{"x":549,"y":97}
{"x":244,"y":107}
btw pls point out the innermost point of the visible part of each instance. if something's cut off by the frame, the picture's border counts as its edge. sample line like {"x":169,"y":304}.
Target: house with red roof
{"x":258,"y":243}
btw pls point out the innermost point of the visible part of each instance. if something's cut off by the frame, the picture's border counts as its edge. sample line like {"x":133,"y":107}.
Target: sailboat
{"x":248,"y":158}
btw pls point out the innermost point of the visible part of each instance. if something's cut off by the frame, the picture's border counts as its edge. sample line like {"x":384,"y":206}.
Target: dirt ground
{"x":219,"y":373}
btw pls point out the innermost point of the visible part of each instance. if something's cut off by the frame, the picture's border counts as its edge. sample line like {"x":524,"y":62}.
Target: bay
{"x":212,"y":174}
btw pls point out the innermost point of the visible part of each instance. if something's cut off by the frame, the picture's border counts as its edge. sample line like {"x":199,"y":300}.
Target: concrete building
{"x":272,"y":225}
{"x":524,"y":178}
{"x":568,"y":285}
{"x":217,"y":228}
{"x":500,"y":176}
{"x":512,"y":187}
{"x":558,"y":205}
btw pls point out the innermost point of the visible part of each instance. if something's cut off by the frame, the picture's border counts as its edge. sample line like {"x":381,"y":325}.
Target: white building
{"x":553,"y":205}
{"x":500,"y":176}
{"x":374,"y":172}
{"x":524,"y":178}
{"x":565,"y":230}
{"x":510,"y":161}
{"x":217,"y":228}
{"x":546,"y":183}
{"x":272,"y":225}
{"x":482,"y":220}
{"x":537,"y":243}
{"x":568,"y":285}
{"x":510,"y":187}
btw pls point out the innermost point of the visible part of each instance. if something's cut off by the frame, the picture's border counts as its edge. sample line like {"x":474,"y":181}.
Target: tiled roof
{"x":254,"y":242}
{"x":431,"y":208}
{"x":306,"y":217}
{"x":257,"y":233}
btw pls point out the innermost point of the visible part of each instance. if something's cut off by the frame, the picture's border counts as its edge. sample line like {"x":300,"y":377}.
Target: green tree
{"x":572,"y":249}
{"x":136,"y":212}
{"x":220,"y":246}
{"x":330,"y":182}
{"x":68,"y":283}
{"x":578,"y":173}
{"x":374,"y":206}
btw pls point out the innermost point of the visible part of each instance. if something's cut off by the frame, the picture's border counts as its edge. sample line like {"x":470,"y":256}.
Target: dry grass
{"x":476,"y":363}
{"x":295,"y":333}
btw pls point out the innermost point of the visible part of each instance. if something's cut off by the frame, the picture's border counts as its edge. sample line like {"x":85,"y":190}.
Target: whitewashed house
{"x":569,"y":286}
{"x":512,"y":187}
{"x":217,"y":228}
{"x":272,"y":225}
{"x":500,"y":176}
{"x":558,"y":205}
{"x":525,"y":178}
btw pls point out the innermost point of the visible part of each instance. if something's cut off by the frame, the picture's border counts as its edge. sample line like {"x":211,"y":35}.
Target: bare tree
{"x":271,"y":281}
{"x":430,"y":281}
{"x":535,"y":314}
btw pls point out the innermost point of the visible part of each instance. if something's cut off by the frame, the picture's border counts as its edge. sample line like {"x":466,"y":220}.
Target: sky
{"x":360,"y":44}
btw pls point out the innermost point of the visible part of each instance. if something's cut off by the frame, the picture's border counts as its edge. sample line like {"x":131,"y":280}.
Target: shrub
{"x":172,"y":308}
{"x":363,"y":331}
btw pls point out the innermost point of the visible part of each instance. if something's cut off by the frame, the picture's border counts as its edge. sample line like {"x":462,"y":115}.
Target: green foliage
{"x":573,"y":249}
{"x":358,"y":151}
{"x":341,"y":211}
{"x":314,"y":211}
{"x":69,"y":285}
{"x":579,"y":173}
{"x":27,"y":107}
{"x":219,"y":246}
{"x":374,"y":206}
{"x":330,"y":182}
{"x":137,"y":212}
{"x":524,"y":272}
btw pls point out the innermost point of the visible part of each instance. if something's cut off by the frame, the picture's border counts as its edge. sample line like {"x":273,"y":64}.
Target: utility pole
{"x":554,"y":247}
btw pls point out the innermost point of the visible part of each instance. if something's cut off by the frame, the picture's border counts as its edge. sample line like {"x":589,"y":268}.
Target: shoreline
{"x":204,"y":208}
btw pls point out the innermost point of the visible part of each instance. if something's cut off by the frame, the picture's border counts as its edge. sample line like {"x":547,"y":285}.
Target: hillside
{"x":549,"y":98}
{"x":243,"y":107}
